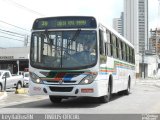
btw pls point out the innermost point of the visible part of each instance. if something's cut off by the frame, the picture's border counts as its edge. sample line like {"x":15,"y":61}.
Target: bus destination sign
{"x":64,"y":22}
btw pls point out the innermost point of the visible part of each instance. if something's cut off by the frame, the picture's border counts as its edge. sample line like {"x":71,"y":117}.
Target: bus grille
{"x":61,"y":89}
{"x":63,"y":81}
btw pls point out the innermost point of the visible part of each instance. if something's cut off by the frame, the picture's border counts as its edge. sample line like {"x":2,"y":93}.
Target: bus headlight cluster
{"x":35,"y":78}
{"x":88,"y":79}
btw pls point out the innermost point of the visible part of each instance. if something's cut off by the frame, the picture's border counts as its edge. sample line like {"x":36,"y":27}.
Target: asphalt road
{"x":145,"y":98}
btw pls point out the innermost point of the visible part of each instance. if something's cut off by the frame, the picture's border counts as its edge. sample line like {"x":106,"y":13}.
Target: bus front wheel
{"x":106,"y":98}
{"x":55,"y":99}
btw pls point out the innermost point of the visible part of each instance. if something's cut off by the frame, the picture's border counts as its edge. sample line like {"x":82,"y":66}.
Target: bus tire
{"x":55,"y":99}
{"x":106,"y":98}
{"x":1,"y":87}
{"x":128,"y":90}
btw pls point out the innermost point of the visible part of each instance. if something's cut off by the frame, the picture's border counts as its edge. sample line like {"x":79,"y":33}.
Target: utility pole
{"x":143,"y":64}
{"x":26,"y":40}
{"x":18,"y":66}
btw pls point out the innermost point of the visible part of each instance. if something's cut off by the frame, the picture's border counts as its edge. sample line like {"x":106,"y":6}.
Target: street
{"x":145,"y":98}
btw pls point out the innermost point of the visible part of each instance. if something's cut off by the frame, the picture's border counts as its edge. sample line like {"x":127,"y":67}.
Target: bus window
{"x":101,"y":42}
{"x":133,"y":56}
{"x":114,"y":46}
{"x":130,"y":55}
{"x":117,"y":47}
{"x":37,"y":48}
{"x":120,"y":49}
{"x":105,"y":49}
{"x":124,"y":52}
{"x":111,"y":46}
{"x":108,"y":43}
{"x":127,"y":53}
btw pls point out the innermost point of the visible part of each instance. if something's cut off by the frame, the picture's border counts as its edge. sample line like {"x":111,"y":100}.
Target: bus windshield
{"x":73,"y":49}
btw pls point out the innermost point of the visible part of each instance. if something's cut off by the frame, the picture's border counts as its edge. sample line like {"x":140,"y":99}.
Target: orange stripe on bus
{"x":107,"y":70}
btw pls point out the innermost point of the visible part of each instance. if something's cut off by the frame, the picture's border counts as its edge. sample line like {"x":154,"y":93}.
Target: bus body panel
{"x":120,"y":72}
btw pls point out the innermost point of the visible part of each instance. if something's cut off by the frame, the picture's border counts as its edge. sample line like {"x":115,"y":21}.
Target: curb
{"x":4,"y":94}
{"x":21,"y":91}
{"x":148,"y":82}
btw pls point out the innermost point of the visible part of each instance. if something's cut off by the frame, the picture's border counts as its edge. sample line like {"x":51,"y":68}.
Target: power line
{"x":12,"y":32}
{"x":14,"y":26}
{"x":24,"y":7}
{"x":12,"y":38}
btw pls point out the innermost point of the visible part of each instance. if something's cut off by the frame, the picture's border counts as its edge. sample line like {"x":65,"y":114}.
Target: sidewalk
{"x":3,"y":95}
{"x":149,"y":81}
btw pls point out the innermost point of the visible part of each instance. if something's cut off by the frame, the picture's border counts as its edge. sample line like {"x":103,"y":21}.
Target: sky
{"x":22,"y":13}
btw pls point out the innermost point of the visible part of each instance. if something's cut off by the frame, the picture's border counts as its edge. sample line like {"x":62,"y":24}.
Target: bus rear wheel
{"x":127,"y":91}
{"x":55,"y":99}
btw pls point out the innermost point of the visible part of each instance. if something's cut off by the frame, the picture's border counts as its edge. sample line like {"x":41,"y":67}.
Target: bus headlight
{"x":88,"y":79}
{"x":35,"y":78}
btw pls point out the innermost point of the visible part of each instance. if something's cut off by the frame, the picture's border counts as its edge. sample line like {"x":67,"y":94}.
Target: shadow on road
{"x":78,"y":102}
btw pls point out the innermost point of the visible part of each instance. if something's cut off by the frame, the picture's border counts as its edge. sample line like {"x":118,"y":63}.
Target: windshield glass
{"x":64,"y":49}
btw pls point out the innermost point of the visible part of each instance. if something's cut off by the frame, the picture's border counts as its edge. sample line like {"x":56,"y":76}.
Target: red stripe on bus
{"x":59,"y":76}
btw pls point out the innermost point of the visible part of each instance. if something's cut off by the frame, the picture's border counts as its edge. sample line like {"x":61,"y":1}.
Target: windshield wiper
{"x":47,"y":34}
{"x":76,"y":35}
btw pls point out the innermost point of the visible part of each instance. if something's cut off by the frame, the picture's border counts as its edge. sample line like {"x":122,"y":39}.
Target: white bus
{"x":73,"y":56}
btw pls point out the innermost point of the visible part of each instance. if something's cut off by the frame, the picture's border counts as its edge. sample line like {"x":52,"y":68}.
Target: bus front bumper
{"x":95,"y":89}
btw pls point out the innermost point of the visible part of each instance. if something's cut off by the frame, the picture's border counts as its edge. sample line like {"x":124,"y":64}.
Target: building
{"x":136,"y":29}
{"x":122,"y":18}
{"x":150,"y":64}
{"x":14,"y":59}
{"x":118,"y":24}
{"x":154,"y":41}
{"x":143,"y":25}
{"x":131,"y":22}
{"x":136,"y":23}
{"x":154,"y":48}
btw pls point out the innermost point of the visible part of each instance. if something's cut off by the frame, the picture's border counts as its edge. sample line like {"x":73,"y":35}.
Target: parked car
{"x":12,"y":81}
{"x":25,"y":79}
